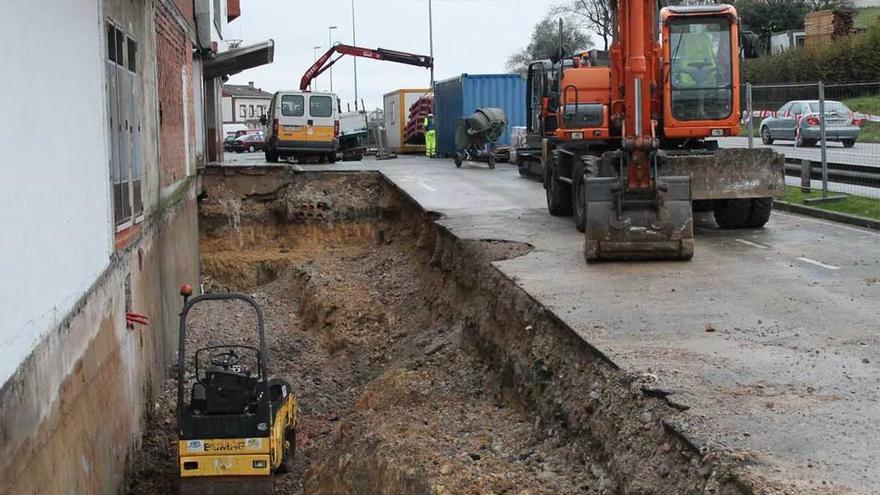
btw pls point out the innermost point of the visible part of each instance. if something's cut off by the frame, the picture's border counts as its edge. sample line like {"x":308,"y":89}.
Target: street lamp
{"x":316,"y":58}
{"x":431,"y":38}
{"x":354,"y":59}
{"x":330,"y":40}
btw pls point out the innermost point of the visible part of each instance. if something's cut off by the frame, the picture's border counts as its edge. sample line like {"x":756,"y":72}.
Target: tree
{"x":597,"y":16}
{"x":592,"y":15}
{"x":545,"y":41}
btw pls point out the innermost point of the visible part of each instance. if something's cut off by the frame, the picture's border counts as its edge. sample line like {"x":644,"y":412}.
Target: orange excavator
{"x":624,"y":140}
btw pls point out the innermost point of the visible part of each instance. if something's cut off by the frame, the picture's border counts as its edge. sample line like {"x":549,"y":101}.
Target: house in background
{"x":787,"y":40}
{"x":244,"y":104}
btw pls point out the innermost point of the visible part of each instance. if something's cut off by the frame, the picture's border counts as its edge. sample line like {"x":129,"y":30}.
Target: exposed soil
{"x":418,"y":367}
{"x":386,"y":386}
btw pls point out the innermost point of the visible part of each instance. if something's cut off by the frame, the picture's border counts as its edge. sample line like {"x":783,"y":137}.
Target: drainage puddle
{"x":415,"y":371}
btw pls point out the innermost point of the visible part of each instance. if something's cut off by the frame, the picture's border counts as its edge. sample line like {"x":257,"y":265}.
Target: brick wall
{"x":186,"y":9}
{"x":173,"y":55}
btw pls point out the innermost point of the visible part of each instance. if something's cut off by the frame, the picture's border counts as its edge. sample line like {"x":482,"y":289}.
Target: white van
{"x":303,"y":125}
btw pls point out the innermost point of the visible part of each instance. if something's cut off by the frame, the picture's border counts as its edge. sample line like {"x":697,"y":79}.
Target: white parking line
{"x":818,"y":263}
{"x":753,"y":244}
{"x":426,"y":186}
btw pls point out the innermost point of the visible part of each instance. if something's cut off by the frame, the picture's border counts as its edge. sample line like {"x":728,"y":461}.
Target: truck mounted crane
{"x":324,"y":62}
{"x":624,"y":141}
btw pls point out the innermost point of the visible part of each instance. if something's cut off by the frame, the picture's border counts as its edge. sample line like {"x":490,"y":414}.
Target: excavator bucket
{"x":654,"y":228}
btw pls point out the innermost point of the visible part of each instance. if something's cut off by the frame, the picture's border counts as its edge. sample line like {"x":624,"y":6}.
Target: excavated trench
{"x":419,"y":367}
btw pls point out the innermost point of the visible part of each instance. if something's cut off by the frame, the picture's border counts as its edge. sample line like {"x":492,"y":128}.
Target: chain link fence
{"x":829,"y":133}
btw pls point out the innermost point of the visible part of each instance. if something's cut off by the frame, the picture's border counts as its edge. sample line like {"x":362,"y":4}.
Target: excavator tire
{"x":558,"y":192}
{"x":761,"y":210}
{"x":743,"y":213}
{"x":583,"y":167}
{"x":558,"y":196}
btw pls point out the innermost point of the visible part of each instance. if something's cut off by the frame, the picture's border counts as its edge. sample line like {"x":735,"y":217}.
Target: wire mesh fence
{"x":829,"y":133}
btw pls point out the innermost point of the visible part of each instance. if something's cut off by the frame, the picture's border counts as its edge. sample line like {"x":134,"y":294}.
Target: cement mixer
{"x":475,"y":136}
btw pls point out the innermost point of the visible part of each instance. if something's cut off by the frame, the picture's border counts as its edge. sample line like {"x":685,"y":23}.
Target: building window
{"x":132,"y":55}
{"x":251,"y":111}
{"x":260,"y":110}
{"x":218,"y":12}
{"x":126,"y":150}
{"x":242,"y":111}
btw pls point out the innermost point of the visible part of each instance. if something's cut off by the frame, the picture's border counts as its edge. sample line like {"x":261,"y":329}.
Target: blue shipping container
{"x":460,"y":96}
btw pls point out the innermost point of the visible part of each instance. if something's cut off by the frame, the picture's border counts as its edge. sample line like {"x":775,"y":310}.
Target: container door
{"x":322,"y":119}
{"x":292,"y":119}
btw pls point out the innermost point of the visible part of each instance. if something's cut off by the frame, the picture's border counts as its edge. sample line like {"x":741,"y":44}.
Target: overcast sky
{"x":473,"y":36}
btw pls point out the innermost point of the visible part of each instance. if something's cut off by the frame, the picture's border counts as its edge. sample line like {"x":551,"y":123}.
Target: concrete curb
{"x":827,"y":215}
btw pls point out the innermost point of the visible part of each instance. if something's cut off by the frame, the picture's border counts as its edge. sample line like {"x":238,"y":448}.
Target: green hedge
{"x":851,"y":59}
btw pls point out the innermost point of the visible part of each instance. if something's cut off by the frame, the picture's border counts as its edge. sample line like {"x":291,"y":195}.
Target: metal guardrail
{"x":857,"y":175}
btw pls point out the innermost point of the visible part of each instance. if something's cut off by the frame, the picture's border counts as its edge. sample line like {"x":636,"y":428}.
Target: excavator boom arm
{"x":323,"y":63}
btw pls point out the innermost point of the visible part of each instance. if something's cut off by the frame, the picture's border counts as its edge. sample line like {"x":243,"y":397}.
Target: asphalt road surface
{"x":860,"y":154}
{"x":791,"y":375}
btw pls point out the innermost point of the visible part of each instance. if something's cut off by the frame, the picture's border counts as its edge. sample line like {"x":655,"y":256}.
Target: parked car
{"x":228,"y":141}
{"x":248,"y":142}
{"x":799,"y":121}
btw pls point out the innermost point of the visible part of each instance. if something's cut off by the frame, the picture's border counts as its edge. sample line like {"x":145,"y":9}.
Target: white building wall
{"x":227,"y":109}
{"x":55,"y":213}
{"x":199,"y":108}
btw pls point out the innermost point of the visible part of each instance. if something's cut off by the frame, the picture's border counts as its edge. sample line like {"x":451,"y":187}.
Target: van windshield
{"x":320,"y":106}
{"x":293,"y":105}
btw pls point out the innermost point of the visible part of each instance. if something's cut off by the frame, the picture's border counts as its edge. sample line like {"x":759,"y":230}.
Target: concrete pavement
{"x":789,"y":376}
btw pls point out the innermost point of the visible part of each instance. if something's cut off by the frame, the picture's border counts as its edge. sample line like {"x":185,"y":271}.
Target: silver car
{"x":799,"y":121}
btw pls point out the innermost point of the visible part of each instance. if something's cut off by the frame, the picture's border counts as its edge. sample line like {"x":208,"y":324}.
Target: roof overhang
{"x":238,"y":59}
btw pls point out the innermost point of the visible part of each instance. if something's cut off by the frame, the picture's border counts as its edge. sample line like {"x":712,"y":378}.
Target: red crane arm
{"x":323,"y":63}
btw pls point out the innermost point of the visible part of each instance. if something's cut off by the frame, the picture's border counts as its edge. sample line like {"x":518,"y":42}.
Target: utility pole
{"x":354,"y":59}
{"x":330,"y":40}
{"x":431,"y":38}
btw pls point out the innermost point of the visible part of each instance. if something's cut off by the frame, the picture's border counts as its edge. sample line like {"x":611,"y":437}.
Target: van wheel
{"x":331,"y":158}
{"x":271,"y":156}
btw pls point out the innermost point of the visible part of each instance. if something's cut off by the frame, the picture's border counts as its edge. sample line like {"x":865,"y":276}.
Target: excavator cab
{"x":238,"y":426}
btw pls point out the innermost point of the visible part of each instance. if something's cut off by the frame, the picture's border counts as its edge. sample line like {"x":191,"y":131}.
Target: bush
{"x":851,"y":59}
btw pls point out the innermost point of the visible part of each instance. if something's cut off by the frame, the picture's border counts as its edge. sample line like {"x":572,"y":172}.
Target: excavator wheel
{"x":558,"y":192}
{"x":743,"y":213}
{"x":583,"y":168}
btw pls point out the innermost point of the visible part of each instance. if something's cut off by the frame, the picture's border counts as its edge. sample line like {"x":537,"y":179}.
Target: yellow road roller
{"x":236,"y":425}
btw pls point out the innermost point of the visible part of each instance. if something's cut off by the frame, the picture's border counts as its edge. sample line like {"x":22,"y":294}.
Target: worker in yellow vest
{"x":430,"y":137}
